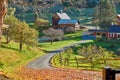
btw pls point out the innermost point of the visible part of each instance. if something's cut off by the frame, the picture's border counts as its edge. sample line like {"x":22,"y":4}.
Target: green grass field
{"x":11,"y":58}
{"x":72,"y":38}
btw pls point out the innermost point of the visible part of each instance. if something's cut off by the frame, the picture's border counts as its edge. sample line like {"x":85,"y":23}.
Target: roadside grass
{"x":56,"y":45}
{"x":70,"y":39}
{"x":107,"y":44}
{"x":11,"y":58}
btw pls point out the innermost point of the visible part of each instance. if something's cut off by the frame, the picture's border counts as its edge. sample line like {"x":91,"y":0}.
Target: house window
{"x":111,"y":35}
{"x":118,"y":35}
{"x":98,"y":34}
{"x":103,"y":34}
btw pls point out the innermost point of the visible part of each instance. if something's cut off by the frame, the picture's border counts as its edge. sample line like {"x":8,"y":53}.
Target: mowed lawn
{"x":71,"y":38}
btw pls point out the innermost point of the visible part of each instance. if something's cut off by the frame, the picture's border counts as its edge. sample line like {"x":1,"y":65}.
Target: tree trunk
{"x":51,"y":41}
{"x":21,"y":44}
{"x":7,"y":39}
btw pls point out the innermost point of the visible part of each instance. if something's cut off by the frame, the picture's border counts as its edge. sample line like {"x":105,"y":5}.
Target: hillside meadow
{"x":11,"y":59}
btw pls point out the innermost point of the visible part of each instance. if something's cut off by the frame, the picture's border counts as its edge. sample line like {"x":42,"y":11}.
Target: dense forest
{"x":44,"y":9}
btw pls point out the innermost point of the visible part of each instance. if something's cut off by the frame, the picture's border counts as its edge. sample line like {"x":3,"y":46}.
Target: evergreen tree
{"x":106,"y":13}
{"x":95,"y":19}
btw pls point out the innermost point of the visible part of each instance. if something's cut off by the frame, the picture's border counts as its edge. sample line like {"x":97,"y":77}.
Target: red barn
{"x":63,"y":21}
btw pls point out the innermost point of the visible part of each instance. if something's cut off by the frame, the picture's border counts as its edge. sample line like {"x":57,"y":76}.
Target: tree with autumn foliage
{"x":94,"y":54}
{"x":3,"y":10}
{"x":23,"y":34}
{"x":10,"y":20}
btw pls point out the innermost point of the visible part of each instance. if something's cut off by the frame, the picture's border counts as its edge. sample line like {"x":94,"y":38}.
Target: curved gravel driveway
{"x":44,"y":61}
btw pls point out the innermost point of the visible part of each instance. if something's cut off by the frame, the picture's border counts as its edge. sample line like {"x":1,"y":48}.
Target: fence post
{"x":60,"y":58}
{"x":65,"y":62}
{"x":76,"y":61}
{"x":108,"y":74}
{"x":112,"y":74}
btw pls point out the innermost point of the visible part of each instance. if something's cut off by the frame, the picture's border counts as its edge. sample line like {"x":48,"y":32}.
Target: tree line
{"x":105,"y":14}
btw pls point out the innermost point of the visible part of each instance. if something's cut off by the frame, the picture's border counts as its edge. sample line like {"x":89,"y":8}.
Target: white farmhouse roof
{"x":63,"y":16}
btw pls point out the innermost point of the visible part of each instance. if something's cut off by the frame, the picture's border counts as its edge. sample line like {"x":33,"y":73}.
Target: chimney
{"x":112,"y":23}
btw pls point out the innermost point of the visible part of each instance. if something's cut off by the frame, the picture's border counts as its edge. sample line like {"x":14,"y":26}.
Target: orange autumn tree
{"x":3,"y":10}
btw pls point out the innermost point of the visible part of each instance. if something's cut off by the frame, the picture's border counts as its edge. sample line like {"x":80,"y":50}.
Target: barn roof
{"x":118,"y":15}
{"x":67,"y":21}
{"x":63,"y":16}
{"x":114,"y":29}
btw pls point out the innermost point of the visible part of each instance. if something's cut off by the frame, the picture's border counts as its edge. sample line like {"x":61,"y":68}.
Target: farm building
{"x":112,"y":33}
{"x":96,"y":32}
{"x":63,"y":21}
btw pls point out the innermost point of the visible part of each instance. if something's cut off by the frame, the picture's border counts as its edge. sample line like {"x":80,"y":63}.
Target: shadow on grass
{"x":7,"y":47}
{"x":77,"y":38}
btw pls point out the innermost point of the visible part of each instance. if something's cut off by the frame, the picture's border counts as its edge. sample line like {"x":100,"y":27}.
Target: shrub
{"x":118,"y":51}
{"x":70,"y":29}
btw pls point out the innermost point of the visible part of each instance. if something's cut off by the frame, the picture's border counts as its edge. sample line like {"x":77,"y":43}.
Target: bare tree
{"x":54,"y":34}
{"x":70,"y":29}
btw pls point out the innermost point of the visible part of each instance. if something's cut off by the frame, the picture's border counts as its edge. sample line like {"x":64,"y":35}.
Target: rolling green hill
{"x":11,"y":58}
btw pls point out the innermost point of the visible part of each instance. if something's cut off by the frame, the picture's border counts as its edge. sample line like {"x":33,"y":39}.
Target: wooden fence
{"x":80,"y":61}
{"x":108,"y":73}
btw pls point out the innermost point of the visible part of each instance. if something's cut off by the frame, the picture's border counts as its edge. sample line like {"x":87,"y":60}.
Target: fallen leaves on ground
{"x":3,"y":76}
{"x":58,"y":74}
